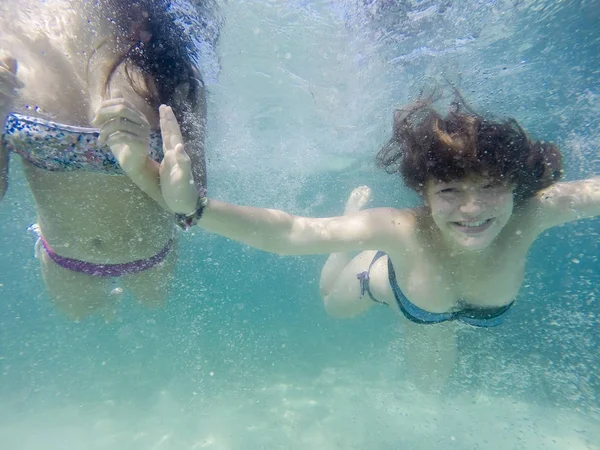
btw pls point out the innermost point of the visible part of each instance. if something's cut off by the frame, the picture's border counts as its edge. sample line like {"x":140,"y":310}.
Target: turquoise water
{"x":243,"y":356}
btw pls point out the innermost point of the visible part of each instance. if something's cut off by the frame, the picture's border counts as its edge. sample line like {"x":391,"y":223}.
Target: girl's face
{"x":470,"y":212}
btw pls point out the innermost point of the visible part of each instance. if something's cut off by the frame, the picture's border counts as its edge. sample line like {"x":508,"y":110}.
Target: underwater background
{"x":243,"y":356}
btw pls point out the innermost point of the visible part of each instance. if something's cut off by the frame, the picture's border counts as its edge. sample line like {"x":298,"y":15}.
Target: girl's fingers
{"x":120,"y":111}
{"x":9,"y":63}
{"x":121,"y":137}
{"x":8,"y":73}
{"x":120,"y":125}
{"x":171,"y":133}
{"x":9,"y":83}
{"x":181,"y":157}
{"x":118,"y":101}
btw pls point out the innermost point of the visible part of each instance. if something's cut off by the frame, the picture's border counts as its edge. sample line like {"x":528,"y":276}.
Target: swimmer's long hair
{"x":425,"y":145}
{"x":162,"y":51}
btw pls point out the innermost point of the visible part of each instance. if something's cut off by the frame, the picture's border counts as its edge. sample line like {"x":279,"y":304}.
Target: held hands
{"x":176,"y":179}
{"x":9,"y":84}
{"x":126,"y":131}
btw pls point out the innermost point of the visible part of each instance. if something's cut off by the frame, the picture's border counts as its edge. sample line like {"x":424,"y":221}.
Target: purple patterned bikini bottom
{"x":106,"y":270}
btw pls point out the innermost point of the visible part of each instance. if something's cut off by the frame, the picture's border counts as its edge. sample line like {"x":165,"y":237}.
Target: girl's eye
{"x":448,"y":191}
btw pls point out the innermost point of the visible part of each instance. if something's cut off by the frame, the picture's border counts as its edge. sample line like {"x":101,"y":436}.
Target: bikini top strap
{"x":364,"y":278}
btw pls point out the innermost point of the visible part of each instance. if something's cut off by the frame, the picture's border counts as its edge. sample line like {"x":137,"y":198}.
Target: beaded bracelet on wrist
{"x":187,"y":221}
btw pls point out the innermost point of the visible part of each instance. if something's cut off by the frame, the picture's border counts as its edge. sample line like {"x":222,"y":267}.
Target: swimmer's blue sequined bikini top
{"x":64,"y":148}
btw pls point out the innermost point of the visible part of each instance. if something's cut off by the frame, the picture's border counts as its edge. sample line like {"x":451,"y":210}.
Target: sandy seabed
{"x":332,"y":411}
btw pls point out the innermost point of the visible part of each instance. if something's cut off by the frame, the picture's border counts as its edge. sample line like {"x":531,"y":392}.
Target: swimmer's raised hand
{"x":126,"y":131}
{"x":176,"y":179}
{"x":9,"y":84}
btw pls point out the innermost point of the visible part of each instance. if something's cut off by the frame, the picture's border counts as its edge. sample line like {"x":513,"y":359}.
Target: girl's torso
{"x":438,"y":281}
{"x":63,"y":53}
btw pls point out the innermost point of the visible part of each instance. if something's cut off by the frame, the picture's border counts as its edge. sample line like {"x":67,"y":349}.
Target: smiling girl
{"x":489,"y":191}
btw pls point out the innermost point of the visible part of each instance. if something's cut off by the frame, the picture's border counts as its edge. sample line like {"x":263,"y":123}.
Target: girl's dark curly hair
{"x":427,"y":146}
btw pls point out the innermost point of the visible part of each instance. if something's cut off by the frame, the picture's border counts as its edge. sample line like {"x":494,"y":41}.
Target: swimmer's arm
{"x":146,"y":178}
{"x":144,"y":174}
{"x":268,"y":229}
{"x":567,"y":202}
{"x":147,"y":175}
{"x":126,"y":130}
{"x":285,"y":234}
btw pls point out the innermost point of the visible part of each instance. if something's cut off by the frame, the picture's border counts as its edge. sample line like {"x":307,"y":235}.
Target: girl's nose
{"x":472,"y":206}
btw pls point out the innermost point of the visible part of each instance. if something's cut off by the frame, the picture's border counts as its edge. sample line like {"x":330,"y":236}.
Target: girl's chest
{"x":55,"y":84}
{"x":441,"y":286}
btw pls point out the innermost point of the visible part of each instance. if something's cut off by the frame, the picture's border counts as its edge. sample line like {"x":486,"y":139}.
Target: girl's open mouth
{"x":473,"y":227}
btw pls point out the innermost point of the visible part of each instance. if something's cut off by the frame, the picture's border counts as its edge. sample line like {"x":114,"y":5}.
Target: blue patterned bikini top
{"x":471,"y":315}
{"x":64,"y":148}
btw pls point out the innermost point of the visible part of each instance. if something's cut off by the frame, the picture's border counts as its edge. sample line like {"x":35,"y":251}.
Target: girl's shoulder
{"x":398,"y":227}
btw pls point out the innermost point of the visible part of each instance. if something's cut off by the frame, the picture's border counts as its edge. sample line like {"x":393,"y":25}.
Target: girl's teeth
{"x":472,"y":224}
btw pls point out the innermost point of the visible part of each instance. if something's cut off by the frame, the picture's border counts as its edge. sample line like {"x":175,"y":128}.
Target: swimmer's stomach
{"x":98,"y":218}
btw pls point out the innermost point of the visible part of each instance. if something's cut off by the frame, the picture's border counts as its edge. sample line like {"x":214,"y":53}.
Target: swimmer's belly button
{"x":109,"y":246}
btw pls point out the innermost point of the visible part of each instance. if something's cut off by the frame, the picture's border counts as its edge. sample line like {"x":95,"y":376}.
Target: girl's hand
{"x":9,"y":84}
{"x":176,"y":179}
{"x":126,"y":131}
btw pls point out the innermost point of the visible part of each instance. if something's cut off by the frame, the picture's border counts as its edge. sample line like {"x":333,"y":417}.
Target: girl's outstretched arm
{"x":567,"y":202}
{"x":268,"y":229}
{"x":279,"y":232}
